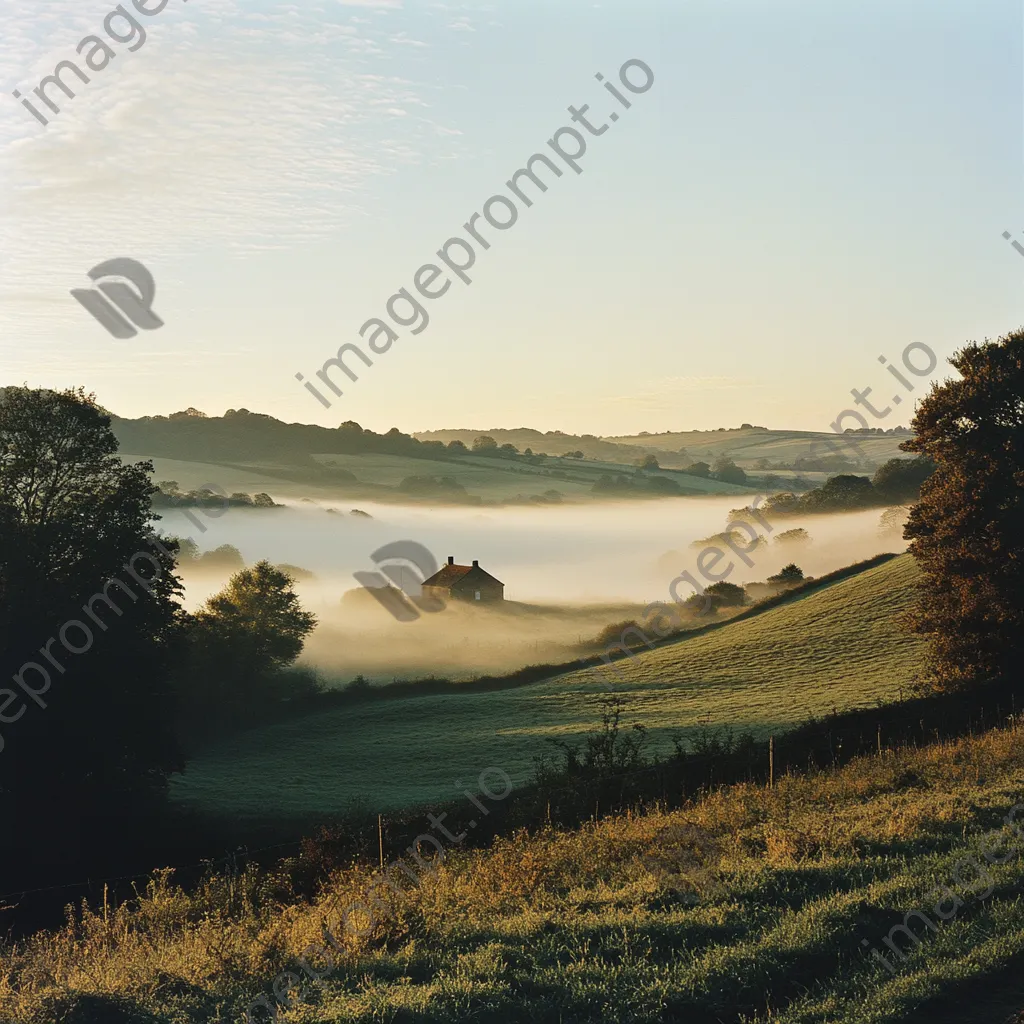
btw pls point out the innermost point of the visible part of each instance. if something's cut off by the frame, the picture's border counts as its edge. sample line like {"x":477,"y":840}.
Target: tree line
{"x":87,"y":755}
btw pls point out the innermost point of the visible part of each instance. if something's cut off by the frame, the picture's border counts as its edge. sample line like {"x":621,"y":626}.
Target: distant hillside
{"x":243,"y":436}
{"x":745,"y":446}
{"x":554,"y":442}
{"x":249,"y":451}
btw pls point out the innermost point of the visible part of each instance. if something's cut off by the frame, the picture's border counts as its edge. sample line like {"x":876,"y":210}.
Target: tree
{"x":240,"y":641}
{"x":260,"y":609}
{"x":485,"y":445}
{"x":796,"y":536}
{"x":899,"y":480}
{"x":789,"y":574}
{"x":841,"y":493}
{"x":965,"y":529}
{"x":649,"y":462}
{"x":95,"y":746}
{"x":781,"y":504}
{"x":263,"y":500}
{"x":698,"y":469}
{"x":728,"y":472}
{"x":188,"y":549}
{"x":227,"y":556}
{"x":728,"y":594}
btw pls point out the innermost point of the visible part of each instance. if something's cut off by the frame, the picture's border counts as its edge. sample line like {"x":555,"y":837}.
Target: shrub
{"x":789,"y":574}
{"x":797,"y":536}
{"x":728,"y":595}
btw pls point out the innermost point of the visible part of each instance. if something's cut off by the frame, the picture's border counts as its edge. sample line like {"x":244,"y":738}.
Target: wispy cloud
{"x":245,"y":125}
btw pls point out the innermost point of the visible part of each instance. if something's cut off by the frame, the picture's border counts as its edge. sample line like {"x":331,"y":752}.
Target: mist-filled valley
{"x":569,"y":571}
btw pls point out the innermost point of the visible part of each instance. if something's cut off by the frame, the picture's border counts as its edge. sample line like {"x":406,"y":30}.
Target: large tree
{"x":88,"y":622}
{"x":240,"y":641}
{"x":965,"y":530}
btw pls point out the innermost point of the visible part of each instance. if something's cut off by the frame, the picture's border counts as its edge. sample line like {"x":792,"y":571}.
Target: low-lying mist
{"x":568,"y":572}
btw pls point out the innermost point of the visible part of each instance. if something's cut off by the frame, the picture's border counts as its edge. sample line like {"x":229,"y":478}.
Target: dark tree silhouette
{"x":788,"y":574}
{"x":94,"y":744}
{"x":729,"y":595}
{"x":900,"y":480}
{"x":728,"y":472}
{"x":965,"y":531}
{"x":239,"y":643}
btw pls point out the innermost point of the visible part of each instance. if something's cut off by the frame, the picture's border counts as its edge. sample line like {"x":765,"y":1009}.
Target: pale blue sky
{"x":803,"y":188}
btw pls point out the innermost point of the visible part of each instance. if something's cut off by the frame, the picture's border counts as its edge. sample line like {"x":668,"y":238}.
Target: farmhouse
{"x":463,"y":583}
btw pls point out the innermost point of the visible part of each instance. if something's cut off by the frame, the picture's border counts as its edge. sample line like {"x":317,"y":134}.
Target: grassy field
{"x":754,"y":905}
{"x":745,"y":447}
{"x":490,"y":479}
{"x":834,"y":647}
{"x":493,"y":480}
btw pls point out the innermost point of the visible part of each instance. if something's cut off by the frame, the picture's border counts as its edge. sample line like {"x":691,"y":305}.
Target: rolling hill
{"x":249,"y":451}
{"x":745,"y":446}
{"x":836,"y":646}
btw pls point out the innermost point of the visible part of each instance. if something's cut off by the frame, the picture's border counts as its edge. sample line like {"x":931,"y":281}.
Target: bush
{"x":899,"y":480}
{"x":788,"y":575}
{"x":728,"y":595}
{"x":728,"y":472}
{"x":797,"y":536}
{"x":227,"y":556}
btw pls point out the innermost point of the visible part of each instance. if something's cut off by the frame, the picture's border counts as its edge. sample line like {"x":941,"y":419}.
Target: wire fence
{"x":566,"y":798}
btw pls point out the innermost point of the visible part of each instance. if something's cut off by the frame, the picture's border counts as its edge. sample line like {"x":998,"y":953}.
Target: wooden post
{"x":879,"y":739}
{"x":771,"y":762}
{"x":380,"y":839}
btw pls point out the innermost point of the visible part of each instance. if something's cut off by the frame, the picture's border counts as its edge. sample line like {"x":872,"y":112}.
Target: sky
{"x":802,"y":189}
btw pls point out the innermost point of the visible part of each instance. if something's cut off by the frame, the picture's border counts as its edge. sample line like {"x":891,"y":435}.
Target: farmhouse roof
{"x":449,"y":575}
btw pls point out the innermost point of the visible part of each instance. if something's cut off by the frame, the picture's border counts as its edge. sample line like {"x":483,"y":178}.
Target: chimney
{"x":451,"y":559}
{"x":476,"y":564}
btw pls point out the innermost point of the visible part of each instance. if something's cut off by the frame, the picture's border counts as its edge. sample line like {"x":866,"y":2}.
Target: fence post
{"x":771,"y":762}
{"x":380,"y":839}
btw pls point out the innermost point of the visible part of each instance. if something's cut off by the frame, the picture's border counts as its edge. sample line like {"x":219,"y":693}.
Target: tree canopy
{"x":965,"y":531}
{"x":88,"y":619}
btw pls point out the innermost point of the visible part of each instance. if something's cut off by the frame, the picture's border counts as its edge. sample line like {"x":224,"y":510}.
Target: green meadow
{"x":379,"y":475}
{"x":833,"y":647}
{"x":745,"y":447}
